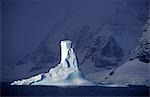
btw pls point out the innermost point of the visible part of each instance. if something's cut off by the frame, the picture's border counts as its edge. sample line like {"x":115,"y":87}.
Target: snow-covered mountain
{"x":103,"y":39}
{"x":65,"y":73}
{"x":135,"y":71}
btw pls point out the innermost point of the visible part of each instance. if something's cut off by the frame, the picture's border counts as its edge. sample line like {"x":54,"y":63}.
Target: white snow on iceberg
{"x":65,"y":73}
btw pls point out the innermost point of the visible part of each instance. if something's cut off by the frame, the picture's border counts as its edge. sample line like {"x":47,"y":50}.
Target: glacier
{"x":65,"y":73}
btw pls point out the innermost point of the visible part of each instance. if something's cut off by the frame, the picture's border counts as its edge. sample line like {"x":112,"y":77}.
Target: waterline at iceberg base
{"x":73,"y":91}
{"x":65,"y":73}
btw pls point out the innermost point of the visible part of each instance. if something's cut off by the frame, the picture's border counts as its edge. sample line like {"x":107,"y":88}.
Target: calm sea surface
{"x":82,"y":91}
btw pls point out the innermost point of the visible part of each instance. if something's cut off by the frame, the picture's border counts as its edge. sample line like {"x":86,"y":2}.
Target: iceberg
{"x":67,"y":72}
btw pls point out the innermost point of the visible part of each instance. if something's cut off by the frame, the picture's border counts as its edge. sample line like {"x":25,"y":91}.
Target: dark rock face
{"x":112,"y":49}
{"x":142,"y":51}
{"x":110,"y":55}
{"x":145,"y":58}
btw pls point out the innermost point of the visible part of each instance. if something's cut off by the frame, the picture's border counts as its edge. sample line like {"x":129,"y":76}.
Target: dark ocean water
{"x":81,"y":91}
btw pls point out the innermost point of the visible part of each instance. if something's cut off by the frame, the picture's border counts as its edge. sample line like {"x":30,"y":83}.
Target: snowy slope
{"x":65,"y":73}
{"x":132,"y":72}
{"x":100,"y":38}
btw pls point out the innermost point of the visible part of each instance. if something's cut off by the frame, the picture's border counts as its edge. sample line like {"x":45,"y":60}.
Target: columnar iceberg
{"x":65,"y":73}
